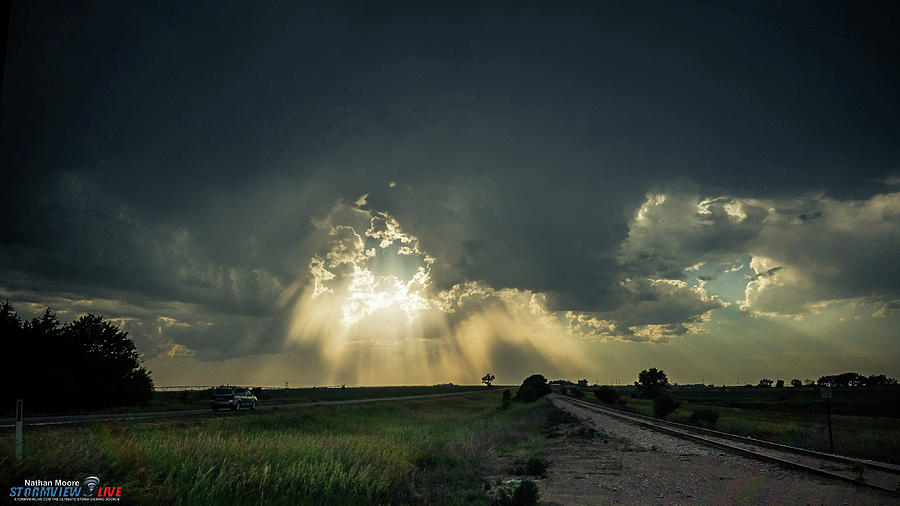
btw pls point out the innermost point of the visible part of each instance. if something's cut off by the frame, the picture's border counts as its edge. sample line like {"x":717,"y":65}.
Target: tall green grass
{"x":417,"y":451}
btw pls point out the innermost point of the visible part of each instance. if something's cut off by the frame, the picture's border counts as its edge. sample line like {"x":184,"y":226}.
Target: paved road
{"x":70,"y":419}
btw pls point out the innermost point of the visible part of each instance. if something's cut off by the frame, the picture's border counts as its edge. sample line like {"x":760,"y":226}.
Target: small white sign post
{"x":18,"y":429}
{"x":825,"y":392}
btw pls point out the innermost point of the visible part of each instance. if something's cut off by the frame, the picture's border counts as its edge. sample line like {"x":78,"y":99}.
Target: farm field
{"x":415,"y":451}
{"x":865,"y":421}
{"x":199,"y":399}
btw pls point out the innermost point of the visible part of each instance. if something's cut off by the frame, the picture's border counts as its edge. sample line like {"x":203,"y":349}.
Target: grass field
{"x":199,"y":399}
{"x":865,"y":421}
{"x":415,"y":451}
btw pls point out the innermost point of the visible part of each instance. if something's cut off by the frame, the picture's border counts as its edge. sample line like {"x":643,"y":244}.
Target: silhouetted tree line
{"x":847,"y":379}
{"x":852,"y":379}
{"x":86,"y":363}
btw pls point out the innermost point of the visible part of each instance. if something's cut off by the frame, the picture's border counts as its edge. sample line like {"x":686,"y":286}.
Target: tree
{"x":88,"y":362}
{"x":779,"y":384}
{"x":879,"y":381}
{"x":112,"y":353}
{"x":505,"y":401}
{"x":651,"y":383}
{"x":796,"y":382}
{"x":488,"y":379}
{"x":765,"y":383}
{"x":847,"y":379}
{"x":583,"y":383}
{"x":533,"y":388}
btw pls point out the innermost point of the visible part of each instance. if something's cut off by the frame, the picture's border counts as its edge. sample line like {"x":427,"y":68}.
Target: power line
{"x":798,"y":24}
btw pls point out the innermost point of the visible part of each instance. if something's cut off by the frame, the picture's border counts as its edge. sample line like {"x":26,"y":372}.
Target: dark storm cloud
{"x":168,"y":152}
{"x":847,"y":252}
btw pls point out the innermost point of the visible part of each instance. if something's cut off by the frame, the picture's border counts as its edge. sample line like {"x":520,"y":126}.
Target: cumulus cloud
{"x":363,"y":279}
{"x":673,"y":231}
{"x":804,"y":251}
{"x":371,"y":294}
{"x":887,"y":309}
{"x":657,"y":310}
{"x":892,"y":180}
{"x":180,"y":350}
{"x":159,"y":326}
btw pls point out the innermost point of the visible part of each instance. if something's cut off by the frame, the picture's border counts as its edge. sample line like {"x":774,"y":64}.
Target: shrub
{"x":529,"y":394}
{"x":705,"y":417}
{"x":606,"y":395}
{"x":564,"y":391}
{"x":577,"y":392}
{"x":663,"y":405}
{"x":525,"y":494}
{"x":533,"y":388}
{"x":558,"y":416}
{"x":505,"y":401}
{"x":536,"y":466}
{"x":585,"y":432}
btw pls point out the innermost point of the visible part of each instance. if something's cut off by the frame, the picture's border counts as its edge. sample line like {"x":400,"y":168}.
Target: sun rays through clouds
{"x":373,"y":312}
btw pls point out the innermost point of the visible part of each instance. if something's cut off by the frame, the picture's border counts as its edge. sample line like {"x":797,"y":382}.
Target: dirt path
{"x":626,"y":464}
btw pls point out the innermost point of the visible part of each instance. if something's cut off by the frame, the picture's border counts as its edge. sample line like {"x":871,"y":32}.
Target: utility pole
{"x":18,"y":429}
{"x":825,"y":392}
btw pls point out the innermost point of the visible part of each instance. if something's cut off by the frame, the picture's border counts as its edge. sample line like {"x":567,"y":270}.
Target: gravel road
{"x":627,"y":464}
{"x":70,"y":419}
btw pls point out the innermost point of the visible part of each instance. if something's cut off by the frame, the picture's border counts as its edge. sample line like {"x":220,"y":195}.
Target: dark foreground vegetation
{"x":429,"y":451}
{"x":88,"y":363}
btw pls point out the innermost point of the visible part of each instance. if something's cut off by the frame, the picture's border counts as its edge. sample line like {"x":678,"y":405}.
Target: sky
{"x":416,"y":193}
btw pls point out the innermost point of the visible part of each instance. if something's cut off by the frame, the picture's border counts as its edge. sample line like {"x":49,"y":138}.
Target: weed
{"x":705,"y":417}
{"x":584,"y":432}
{"x":606,"y":395}
{"x":516,"y":493}
{"x":559,"y":417}
{"x":536,"y":465}
{"x":663,"y":405}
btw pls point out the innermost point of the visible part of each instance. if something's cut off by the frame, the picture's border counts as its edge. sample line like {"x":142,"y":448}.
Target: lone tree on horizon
{"x":651,"y":382}
{"x":488,"y":379}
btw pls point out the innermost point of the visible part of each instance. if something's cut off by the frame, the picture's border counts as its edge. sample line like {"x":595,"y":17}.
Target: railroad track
{"x":865,"y":473}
